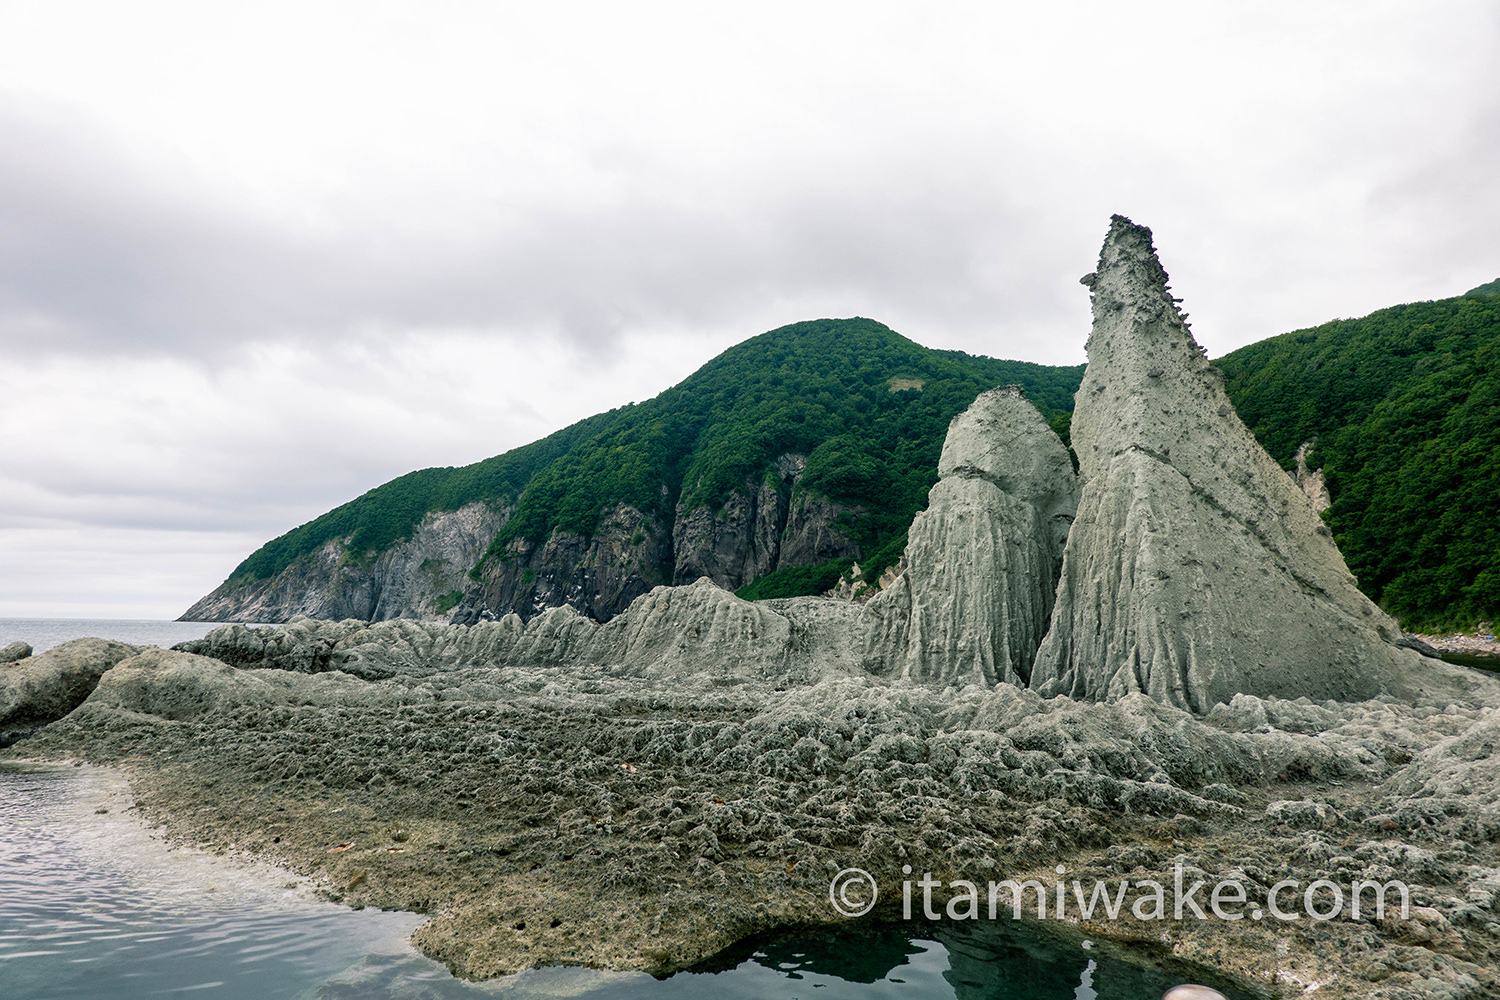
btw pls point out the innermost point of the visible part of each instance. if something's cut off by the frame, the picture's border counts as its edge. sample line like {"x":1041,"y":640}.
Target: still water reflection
{"x":92,"y":906}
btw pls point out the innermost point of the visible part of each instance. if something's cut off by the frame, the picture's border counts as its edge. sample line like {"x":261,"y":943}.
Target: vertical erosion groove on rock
{"x":983,"y":558}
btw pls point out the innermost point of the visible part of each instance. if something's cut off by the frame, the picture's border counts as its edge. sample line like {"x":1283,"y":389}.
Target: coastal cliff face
{"x":732,"y":545}
{"x":631,"y":553}
{"x":597,"y":576}
{"x":769,"y":525}
{"x":413,"y":579}
{"x":742,"y":540}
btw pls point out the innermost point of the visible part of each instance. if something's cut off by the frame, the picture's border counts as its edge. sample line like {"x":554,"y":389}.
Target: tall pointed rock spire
{"x":1195,"y":568}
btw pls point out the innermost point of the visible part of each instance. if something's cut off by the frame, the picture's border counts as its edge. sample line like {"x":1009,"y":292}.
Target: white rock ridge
{"x":1195,"y":568}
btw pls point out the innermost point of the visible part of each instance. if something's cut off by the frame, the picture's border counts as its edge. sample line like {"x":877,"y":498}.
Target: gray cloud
{"x":101,"y":251}
{"x":203,"y":351}
{"x":105,"y":253}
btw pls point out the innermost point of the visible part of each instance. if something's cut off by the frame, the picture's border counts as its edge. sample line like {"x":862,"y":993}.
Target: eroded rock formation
{"x":40,"y":689}
{"x":1195,"y":568}
{"x":983,"y":558}
{"x":671,"y":631}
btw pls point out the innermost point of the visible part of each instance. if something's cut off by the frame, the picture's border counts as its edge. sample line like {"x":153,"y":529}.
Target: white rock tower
{"x":1195,"y":568}
{"x":983,"y":558}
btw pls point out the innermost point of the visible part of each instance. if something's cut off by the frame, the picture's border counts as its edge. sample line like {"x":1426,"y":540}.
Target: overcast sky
{"x":256,"y":259}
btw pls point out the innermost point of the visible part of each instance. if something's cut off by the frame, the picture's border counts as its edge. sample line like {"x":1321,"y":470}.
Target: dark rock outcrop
{"x":412,"y":579}
{"x":770,"y":524}
{"x":598,"y":575}
{"x":742,"y":540}
{"x":815,"y":531}
{"x":15,"y":651}
{"x":1195,"y":568}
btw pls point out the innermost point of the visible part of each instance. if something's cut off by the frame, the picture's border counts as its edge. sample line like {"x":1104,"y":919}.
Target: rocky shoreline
{"x":1481,"y":642}
{"x":1157,"y":670}
{"x":527,"y":809}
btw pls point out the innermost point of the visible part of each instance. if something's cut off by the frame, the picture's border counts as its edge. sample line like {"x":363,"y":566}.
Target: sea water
{"x":93,"y":905}
{"x":41,"y":634}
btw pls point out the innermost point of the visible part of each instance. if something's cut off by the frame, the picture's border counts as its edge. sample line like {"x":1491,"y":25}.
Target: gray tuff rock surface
{"x":15,"y":651}
{"x":982,"y":560}
{"x":1195,"y":568}
{"x":694,"y":629}
{"x":684,"y":801}
{"x":41,"y":689}
{"x":179,"y":687}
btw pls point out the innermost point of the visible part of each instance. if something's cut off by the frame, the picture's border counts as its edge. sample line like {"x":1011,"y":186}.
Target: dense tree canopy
{"x":1405,"y":407}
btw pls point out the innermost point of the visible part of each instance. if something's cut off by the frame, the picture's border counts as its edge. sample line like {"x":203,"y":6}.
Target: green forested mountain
{"x":385,"y":515}
{"x":867,"y":406}
{"x":1405,"y":406}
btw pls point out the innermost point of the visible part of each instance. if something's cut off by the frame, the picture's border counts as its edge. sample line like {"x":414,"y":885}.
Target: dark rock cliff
{"x":769,"y":525}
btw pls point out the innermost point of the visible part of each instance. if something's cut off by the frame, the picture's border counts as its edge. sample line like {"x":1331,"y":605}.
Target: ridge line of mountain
{"x":792,"y":456}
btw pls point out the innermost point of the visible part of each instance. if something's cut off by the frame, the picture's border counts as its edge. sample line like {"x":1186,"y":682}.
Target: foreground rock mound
{"x":41,"y":689}
{"x":983,"y":558}
{"x":527,"y":806}
{"x":1195,"y":569}
{"x":670,"y":632}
